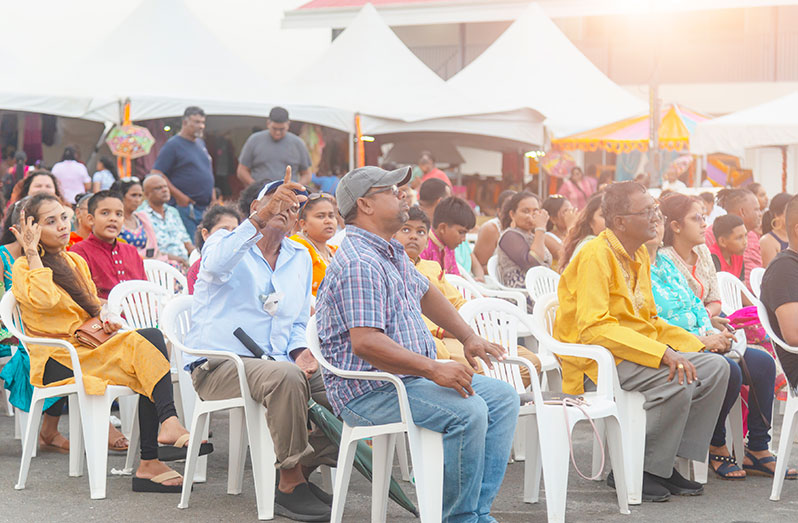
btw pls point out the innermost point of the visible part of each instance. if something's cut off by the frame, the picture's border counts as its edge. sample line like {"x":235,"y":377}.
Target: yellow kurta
{"x":450,"y":348}
{"x":48,"y":311}
{"x":605,"y":299}
{"x":319,"y":265}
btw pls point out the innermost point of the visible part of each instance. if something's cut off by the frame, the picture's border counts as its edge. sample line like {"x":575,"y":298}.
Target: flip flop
{"x":117,"y":448}
{"x":727,"y":467}
{"x":758,"y":468}
{"x":49,"y":447}
{"x":179,"y":450}
{"x":155,"y":484}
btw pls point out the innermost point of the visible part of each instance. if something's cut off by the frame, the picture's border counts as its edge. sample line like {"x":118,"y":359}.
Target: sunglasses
{"x":392,"y":188}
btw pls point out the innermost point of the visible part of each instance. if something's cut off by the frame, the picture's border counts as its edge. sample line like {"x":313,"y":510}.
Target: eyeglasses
{"x":699,"y":217}
{"x":649,"y":213}
{"x":319,"y":195}
{"x":392,"y":188}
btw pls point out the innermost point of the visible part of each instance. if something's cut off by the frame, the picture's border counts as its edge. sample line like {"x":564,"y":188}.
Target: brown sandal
{"x":51,"y":446}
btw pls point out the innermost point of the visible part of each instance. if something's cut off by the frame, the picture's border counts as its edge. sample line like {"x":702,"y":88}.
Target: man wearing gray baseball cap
{"x":369,"y":314}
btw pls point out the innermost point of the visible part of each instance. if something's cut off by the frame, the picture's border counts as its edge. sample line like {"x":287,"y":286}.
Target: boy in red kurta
{"x":110,"y":261}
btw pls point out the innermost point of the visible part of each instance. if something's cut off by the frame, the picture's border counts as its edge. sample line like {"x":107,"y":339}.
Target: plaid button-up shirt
{"x":369,"y":283}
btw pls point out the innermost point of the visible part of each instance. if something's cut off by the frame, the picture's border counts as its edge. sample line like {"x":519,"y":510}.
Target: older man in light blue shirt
{"x":256,"y":279}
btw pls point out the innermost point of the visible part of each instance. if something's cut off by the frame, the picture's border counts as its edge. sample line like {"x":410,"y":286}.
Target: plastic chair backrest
{"x":731,"y":292}
{"x":465,"y":274}
{"x":497,"y":321}
{"x":468,"y":290}
{"x":545,"y":312}
{"x":764,"y":319}
{"x":139,"y":301}
{"x":493,"y":267}
{"x":757,"y":273}
{"x":166,"y":276}
{"x":541,"y":281}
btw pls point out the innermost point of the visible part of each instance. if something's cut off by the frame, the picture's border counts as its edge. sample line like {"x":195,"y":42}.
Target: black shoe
{"x":320,"y":494}
{"x":300,"y":505}
{"x":652,"y":491}
{"x":678,"y":485}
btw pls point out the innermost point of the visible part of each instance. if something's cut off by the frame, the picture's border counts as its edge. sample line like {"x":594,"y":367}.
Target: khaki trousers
{"x":283,"y":389}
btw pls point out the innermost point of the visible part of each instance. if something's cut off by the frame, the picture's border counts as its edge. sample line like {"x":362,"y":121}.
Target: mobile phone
{"x":150,"y":252}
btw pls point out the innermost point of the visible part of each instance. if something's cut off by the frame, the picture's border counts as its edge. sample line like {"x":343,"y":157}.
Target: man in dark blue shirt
{"x":185,"y":162}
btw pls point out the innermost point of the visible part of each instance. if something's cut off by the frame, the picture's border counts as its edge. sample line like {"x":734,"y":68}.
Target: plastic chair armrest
{"x":516,"y":296}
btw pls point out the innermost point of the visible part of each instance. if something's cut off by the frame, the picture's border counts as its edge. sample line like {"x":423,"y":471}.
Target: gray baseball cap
{"x":356,"y":183}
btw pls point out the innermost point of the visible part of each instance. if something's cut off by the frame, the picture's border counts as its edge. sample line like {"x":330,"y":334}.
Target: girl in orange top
{"x":317,"y":224}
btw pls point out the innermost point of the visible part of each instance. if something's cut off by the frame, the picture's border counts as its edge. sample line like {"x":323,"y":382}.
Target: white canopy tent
{"x":768,"y":124}
{"x":163,"y":58}
{"x":534,"y":65}
{"x":369,"y":70}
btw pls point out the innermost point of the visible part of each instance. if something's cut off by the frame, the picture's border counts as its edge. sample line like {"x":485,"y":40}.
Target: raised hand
{"x":540,"y":218}
{"x":283,"y":199}
{"x":27,"y":234}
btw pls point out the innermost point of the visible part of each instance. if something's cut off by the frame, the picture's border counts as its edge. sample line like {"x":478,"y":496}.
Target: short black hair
{"x":99,"y":196}
{"x":427,"y":154}
{"x":707,"y":197}
{"x":249,"y":195}
{"x":193,"y":110}
{"x":210,"y":219}
{"x":416,"y":214}
{"x":278,"y":115}
{"x":724,"y":225}
{"x":432,"y":190}
{"x":123,"y":185}
{"x":615,"y":201}
{"x":777,"y":207}
{"x":454,"y":211}
{"x":732,"y":199}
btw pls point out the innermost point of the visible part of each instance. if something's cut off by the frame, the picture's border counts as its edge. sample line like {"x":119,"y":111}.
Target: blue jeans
{"x":763,"y":374}
{"x":477,"y":436}
{"x":191,"y":215}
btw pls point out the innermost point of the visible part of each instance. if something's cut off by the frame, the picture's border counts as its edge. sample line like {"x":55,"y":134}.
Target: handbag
{"x":91,"y":333}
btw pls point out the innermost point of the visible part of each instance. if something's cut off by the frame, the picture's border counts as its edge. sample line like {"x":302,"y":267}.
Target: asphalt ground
{"x":51,"y":495}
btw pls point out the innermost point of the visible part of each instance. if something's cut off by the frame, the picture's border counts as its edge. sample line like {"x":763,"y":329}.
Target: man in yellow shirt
{"x":605,"y":299}
{"x":413,"y":237}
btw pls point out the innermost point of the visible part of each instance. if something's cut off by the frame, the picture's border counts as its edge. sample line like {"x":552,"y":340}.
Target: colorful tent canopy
{"x":677,"y":123}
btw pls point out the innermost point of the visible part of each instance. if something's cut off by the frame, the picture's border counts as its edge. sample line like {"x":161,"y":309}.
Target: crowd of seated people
{"x":638,"y":277}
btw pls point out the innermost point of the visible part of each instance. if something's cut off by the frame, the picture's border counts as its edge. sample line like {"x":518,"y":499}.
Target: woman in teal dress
{"x":678,"y":305}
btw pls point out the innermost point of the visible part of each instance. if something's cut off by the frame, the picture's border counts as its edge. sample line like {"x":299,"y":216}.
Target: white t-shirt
{"x":72,"y":176}
{"x":104,"y":178}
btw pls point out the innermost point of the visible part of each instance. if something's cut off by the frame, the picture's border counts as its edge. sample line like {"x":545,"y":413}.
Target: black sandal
{"x":155,"y":484}
{"x":728,"y":466}
{"x":758,"y":468}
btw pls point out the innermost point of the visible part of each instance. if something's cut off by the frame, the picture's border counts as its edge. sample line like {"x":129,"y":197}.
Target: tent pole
{"x":351,"y":151}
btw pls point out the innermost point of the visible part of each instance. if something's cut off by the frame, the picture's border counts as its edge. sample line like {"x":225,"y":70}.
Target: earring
{"x":772,"y":222}
{"x":40,"y":249}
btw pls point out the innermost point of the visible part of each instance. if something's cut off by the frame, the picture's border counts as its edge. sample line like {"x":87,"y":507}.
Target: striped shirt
{"x":369,"y":283}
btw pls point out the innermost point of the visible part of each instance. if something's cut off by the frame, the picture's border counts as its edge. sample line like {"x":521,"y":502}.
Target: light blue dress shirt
{"x":233,"y":277}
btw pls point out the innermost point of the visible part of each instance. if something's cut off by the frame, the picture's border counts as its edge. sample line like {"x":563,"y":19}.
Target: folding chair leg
{"x":237,"y":455}
{"x":597,"y":446}
{"x":76,"y":444}
{"x":615,"y":442}
{"x":382,"y":459}
{"x":134,"y":439}
{"x":555,"y":455}
{"x":94,"y":418}
{"x":261,"y":450}
{"x":401,"y":454}
{"x":346,"y":454}
{"x":519,"y":443}
{"x":426,"y":451}
{"x":194,"y":442}
{"x":30,"y":440}
{"x":789,"y":427}
{"x":532,"y":466}
{"x":201,"y":472}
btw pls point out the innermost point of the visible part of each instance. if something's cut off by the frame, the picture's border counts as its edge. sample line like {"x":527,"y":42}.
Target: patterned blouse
{"x":676,"y":303}
{"x":138,"y":237}
{"x":701,"y":277}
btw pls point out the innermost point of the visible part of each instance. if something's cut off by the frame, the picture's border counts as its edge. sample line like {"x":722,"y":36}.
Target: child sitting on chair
{"x":732,"y":240}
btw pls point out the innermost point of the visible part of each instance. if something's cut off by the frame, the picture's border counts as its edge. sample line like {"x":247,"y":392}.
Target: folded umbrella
{"x":332,"y":428}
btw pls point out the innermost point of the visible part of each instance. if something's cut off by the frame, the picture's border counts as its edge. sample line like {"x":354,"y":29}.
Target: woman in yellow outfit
{"x":413,"y":237}
{"x":56,"y":295}
{"x":317,"y":224}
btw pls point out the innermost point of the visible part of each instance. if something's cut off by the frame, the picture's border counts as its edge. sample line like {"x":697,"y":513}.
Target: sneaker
{"x":300,"y":505}
{"x":652,"y":491}
{"x":678,"y":485}
{"x":320,"y":494}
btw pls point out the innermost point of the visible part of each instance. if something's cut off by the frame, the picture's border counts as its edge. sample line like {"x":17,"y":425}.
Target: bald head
{"x":791,"y":217}
{"x":156,"y":190}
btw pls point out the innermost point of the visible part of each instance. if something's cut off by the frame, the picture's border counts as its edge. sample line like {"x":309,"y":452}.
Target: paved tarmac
{"x":53,"y":496}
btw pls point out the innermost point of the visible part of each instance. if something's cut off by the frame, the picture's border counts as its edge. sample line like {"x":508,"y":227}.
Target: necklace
{"x":323,"y":253}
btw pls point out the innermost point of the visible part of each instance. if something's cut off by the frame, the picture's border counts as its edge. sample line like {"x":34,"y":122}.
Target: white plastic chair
{"x":731,"y":292}
{"x":194,"y":256}
{"x":426,"y":449}
{"x":541,"y":281}
{"x":546,"y":442}
{"x":789,"y":427}
{"x":631,"y":415}
{"x":247,"y":420}
{"x":141,"y":303}
{"x":88,"y":414}
{"x":757,"y":273}
{"x":166,"y":276}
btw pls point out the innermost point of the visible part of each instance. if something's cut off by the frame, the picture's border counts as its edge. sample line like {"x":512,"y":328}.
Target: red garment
{"x":736,"y":266}
{"x":191,"y":277}
{"x":73,"y":239}
{"x":110,"y":263}
{"x":436,"y":173}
